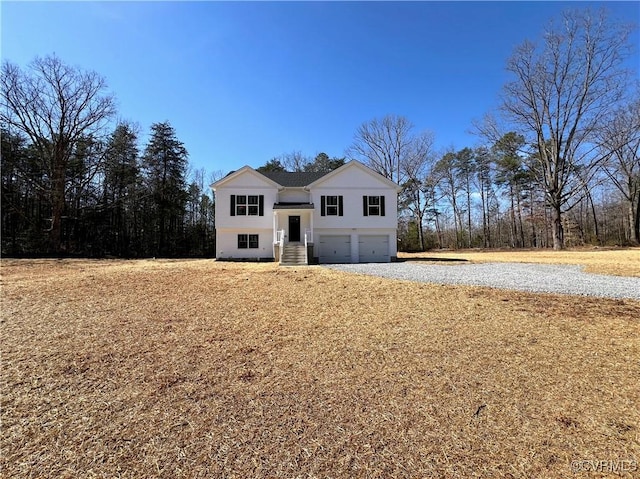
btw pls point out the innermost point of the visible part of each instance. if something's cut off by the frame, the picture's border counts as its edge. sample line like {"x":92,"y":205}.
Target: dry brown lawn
{"x":226,"y":370}
{"x":619,"y":262}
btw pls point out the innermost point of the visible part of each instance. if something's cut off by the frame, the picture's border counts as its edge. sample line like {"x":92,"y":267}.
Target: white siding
{"x":352,"y":184}
{"x":228,"y":227}
{"x":223,"y":209}
{"x":227,"y":244}
{"x":359,"y":233}
{"x":294,"y":195}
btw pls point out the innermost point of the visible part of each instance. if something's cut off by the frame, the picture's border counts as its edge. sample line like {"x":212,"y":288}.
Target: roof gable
{"x":356,"y":164}
{"x":301,"y":179}
{"x":242,"y":172}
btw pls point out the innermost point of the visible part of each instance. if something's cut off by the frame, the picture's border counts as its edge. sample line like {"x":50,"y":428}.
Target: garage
{"x":335,"y":249}
{"x":373,"y":249}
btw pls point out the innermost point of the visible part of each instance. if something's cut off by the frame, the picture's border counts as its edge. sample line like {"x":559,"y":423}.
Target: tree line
{"x":296,"y":161}
{"x":494,"y":195}
{"x":557,"y":166}
{"x":71,"y":187}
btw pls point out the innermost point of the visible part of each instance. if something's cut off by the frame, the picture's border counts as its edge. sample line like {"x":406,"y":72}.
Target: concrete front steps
{"x":293,"y":254}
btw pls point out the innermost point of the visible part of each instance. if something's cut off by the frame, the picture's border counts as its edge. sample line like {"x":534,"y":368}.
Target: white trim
{"x":354,"y":164}
{"x":369,"y":205}
{"x":244,"y":169}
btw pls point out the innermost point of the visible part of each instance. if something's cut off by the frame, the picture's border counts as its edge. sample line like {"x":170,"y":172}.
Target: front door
{"x":294,"y":229}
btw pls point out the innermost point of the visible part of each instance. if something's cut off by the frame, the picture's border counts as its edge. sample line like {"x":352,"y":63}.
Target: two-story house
{"x":348,"y":215}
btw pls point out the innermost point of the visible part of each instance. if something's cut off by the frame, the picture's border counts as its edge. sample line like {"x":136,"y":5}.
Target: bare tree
{"x":385,"y":145}
{"x":294,"y":161}
{"x":561,"y":94}
{"x":484,"y":184}
{"x":417,"y":168}
{"x":56,"y":106}
{"x":448,"y":181}
{"x":620,"y":140}
{"x":390,"y":147}
{"x":465,"y":169}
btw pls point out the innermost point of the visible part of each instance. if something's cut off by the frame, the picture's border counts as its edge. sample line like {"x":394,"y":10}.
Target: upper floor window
{"x":331,"y":206}
{"x":373,"y":205}
{"x":247,"y":205}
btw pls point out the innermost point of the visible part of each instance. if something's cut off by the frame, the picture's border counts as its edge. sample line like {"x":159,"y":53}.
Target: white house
{"x":348,"y":215}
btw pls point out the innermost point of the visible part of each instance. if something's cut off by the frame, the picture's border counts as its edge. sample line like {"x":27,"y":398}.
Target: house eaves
{"x":241,"y":171}
{"x":356,"y":164}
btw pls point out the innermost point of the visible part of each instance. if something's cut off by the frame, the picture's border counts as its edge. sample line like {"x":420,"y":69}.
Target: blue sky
{"x":242,"y":82}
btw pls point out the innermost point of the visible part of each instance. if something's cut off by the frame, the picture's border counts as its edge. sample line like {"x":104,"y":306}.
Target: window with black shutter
{"x":373,"y":205}
{"x":247,"y":205}
{"x":331,"y":205}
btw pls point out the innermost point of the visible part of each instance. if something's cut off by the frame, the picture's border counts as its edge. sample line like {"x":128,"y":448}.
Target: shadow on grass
{"x":432,"y":259}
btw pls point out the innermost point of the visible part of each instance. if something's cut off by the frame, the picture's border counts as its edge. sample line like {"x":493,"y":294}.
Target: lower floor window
{"x":247,"y":241}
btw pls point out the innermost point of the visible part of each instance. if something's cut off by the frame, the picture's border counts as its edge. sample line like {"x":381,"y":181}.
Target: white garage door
{"x":335,"y":249}
{"x":374,"y":249}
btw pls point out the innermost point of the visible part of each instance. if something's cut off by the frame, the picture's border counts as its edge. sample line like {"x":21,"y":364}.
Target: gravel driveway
{"x":538,"y":278}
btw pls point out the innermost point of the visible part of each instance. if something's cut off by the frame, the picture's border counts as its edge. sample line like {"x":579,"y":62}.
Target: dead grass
{"x":618,"y":262}
{"x":203,"y":369}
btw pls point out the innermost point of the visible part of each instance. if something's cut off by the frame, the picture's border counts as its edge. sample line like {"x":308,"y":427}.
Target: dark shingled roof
{"x":293,"y":179}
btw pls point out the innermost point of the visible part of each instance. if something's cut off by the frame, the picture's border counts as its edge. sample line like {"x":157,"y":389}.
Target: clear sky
{"x":242,"y":82}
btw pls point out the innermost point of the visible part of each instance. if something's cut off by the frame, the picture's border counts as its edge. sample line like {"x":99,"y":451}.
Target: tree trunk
{"x":534,"y":236}
{"x":519,"y":205}
{"x":57,"y":208}
{"x":456,"y":218}
{"x":439,"y":232}
{"x":485,"y":241}
{"x":469,"y":212}
{"x":558,"y":231}
{"x":514,"y":225}
{"x":634,"y":219}
{"x":421,"y":233}
{"x":595,"y":218}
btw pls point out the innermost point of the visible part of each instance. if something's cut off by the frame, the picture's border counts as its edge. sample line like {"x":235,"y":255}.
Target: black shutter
{"x":382,"y":206}
{"x":365,"y":208}
{"x":261,"y":205}
{"x":340,"y":209}
{"x":322,"y":204}
{"x":233,"y":205}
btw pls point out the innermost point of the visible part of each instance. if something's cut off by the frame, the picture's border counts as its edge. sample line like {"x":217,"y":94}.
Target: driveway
{"x":538,"y":278}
